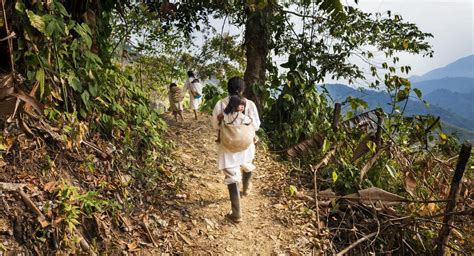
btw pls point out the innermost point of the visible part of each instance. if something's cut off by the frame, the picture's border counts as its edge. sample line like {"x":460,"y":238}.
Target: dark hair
{"x":195,"y":81}
{"x":190,"y":73}
{"x":234,"y":102}
{"x":173,"y":85}
{"x":235,"y":86}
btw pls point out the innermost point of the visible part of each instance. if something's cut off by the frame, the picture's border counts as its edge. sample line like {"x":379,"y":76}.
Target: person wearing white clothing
{"x":231,"y":163}
{"x":194,"y":88}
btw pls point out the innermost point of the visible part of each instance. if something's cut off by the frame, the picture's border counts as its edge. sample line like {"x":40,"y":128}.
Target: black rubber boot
{"x":236,"y":215}
{"x":246,"y":183}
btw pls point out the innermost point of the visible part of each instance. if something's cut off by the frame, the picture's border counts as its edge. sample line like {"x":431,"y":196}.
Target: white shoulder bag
{"x":236,"y":138}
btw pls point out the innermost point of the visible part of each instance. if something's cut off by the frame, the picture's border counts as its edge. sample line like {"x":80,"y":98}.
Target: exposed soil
{"x":206,"y":230}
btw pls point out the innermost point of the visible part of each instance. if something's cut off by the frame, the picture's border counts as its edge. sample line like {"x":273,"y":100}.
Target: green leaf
{"x":59,"y":7}
{"x":289,"y":98}
{"x":326,"y":146}
{"x":334,"y":176}
{"x":93,"y":89}
{"x":74,"y":82}
{"x":20,"y":6}
{"x":84,"y":31}
{"x":417,"y":92}
{"x":443,"y":136}
{"x":291,"y":190}
{"x":36,"y":21}
{"x":333,"y":7}
{"x":40,"y":78}
{"x":371,"y":146}
{"x":390,"y":170}
{"x":86,"y":99}
{"x":92,"y":56}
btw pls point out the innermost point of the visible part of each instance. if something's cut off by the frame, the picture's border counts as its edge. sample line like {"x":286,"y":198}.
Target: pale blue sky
{"x":450,"y":21}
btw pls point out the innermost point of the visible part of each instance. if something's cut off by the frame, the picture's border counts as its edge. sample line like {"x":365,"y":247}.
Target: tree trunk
{"x":256,"y":44}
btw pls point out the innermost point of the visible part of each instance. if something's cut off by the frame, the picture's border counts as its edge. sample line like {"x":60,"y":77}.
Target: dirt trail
{"x":206,"y":230}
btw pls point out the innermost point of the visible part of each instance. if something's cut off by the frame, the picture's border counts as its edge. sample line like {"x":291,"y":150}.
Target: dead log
{"x":453,"y":194}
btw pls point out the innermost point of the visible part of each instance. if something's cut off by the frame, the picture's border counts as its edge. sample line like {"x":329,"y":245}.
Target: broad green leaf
{"x":326,"y":146}
{"x":40,"y":78}
{"x":390,"y":170}
{"x":93,"y":57}
{"x":74,"y":82}
{"x":93,"y":89}
{"x":334,"y":176}
{"x":333,"y":7}
{"x":417,"y":92}
{"x":371,"y":146}
{"x":443,"y":136}
{"x":60,"y":8}
{"x":20,"y":6}
{"x":36,"y":21}
{"x":85,"y":98}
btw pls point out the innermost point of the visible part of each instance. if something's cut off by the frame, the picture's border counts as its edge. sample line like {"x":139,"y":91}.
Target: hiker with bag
{"x":236,"y":119}
{"x":175,"y":96}
{"x":194,"y":87}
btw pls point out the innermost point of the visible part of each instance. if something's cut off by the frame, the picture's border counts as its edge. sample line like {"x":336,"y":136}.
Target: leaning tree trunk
{"x":256,"y":44}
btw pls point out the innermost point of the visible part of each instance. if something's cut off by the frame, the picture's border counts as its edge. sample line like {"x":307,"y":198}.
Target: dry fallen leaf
{"x":132,"y":246}
{"x":50,"y":186}
{"x":410,"y":183}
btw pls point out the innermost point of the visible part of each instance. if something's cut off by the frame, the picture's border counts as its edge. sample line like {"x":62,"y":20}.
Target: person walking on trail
{"x":196,"y":91}
{"x":175,"y":96}
{"x":232,"y":159}
{"x":194,"y":88}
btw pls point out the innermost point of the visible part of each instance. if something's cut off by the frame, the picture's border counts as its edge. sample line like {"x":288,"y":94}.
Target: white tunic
{"x":227,"y":159}
{"x":193,"y":102}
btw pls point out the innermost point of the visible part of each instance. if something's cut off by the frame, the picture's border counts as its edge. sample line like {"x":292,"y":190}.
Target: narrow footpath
{"x":205,"y":230}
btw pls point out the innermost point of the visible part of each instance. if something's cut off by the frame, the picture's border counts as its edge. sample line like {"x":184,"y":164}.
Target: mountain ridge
{"x":463,"y":67}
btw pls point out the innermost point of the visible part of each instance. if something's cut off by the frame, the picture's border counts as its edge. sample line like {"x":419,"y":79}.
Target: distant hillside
{"x":460,"y":103}
{"x":463,"y":67}
{"x":458,"y":84}
{"x":461,"y":134}
{"x":381,"y":99}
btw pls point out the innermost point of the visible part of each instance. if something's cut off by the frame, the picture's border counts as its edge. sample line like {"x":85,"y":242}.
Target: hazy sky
{"x":450,"y":21}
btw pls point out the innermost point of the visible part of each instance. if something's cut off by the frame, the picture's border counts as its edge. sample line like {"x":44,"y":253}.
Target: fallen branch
{"x":12,"y":35}
{"x":315,"y":180}
{"x":145,"y":225}
{"x":96,"y":148}
{"x":185,"y":239}
{"x":362,"y":239}
{"x":325,"y":159}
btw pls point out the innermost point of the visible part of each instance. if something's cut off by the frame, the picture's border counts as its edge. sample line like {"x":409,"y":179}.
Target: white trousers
{"x":234,"y":174}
